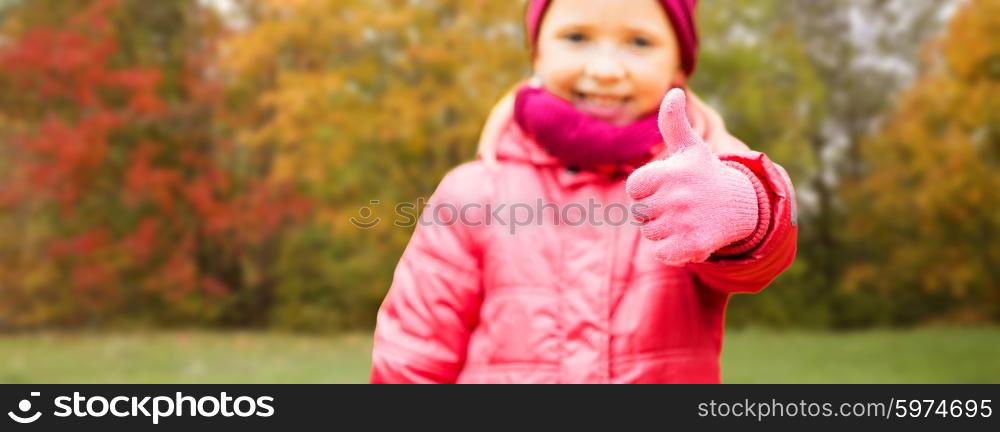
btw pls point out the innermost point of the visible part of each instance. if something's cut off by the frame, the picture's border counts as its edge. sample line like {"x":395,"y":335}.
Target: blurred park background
{"x":177,"y":179}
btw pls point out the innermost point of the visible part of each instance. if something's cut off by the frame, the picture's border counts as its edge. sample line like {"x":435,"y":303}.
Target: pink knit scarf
{"x":580,"y":140}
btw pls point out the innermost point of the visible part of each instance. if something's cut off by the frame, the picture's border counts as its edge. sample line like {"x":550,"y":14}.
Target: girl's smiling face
{"x":612,"y":59}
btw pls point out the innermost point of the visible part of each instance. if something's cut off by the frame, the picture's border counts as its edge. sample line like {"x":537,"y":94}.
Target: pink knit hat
{"x":680,"y":12}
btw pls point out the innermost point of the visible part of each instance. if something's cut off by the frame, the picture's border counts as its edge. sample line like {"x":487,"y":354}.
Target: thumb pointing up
{"x":692,"y":204}
{"x":674,"y":126}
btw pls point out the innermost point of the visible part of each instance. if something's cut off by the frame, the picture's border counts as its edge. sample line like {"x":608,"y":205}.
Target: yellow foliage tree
{"x":925,"y":222}
{"x":359,"y":101}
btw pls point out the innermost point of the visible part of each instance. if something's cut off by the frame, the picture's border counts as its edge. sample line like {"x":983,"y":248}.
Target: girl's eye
{"x":641,"y":41}
{"x":576,"y":37}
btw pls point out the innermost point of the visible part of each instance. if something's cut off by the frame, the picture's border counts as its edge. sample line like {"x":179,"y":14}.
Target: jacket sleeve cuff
{"x":747,"y":244}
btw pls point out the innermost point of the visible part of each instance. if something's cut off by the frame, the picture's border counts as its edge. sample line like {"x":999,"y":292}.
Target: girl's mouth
{"x":605,"y":107}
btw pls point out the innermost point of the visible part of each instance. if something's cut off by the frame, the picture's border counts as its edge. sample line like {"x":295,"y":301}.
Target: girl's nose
{"x":605,"y":67}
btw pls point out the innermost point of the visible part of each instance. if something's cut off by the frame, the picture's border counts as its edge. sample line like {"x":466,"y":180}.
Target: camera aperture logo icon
{"x":25,"y":406}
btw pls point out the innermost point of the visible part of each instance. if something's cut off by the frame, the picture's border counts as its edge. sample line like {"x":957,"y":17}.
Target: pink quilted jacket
{"x":561,"y":301}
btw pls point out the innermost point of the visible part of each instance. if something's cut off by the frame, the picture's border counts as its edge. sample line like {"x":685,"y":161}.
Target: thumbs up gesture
{"x":691,"y":204}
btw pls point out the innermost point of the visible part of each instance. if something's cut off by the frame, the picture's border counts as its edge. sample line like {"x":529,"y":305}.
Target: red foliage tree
{"x":113,"y":155}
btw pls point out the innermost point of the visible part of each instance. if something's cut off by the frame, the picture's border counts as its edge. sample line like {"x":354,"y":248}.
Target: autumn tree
{"x":359,"y":101}
{"x":117,"y":198}
{"x":925,"y":221}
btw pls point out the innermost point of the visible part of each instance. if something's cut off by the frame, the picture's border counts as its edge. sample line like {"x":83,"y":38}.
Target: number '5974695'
{"x":944,"y":408}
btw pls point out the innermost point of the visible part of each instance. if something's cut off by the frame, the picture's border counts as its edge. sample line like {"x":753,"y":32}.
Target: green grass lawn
{"x":936,"y":355}
{"x":930,"y":355}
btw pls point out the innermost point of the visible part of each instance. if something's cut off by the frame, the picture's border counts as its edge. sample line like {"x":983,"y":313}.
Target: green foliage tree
{"x":755,"y":70}
{"x":806,"y":82}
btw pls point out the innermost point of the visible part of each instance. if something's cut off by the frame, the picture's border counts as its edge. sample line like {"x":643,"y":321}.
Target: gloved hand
{"x":692,"y":204}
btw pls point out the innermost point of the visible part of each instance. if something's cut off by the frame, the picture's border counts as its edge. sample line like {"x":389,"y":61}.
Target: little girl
{"x":587,"y":298}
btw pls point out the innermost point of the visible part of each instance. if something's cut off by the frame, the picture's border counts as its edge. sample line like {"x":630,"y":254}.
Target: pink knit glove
{"x":692,"y":204}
